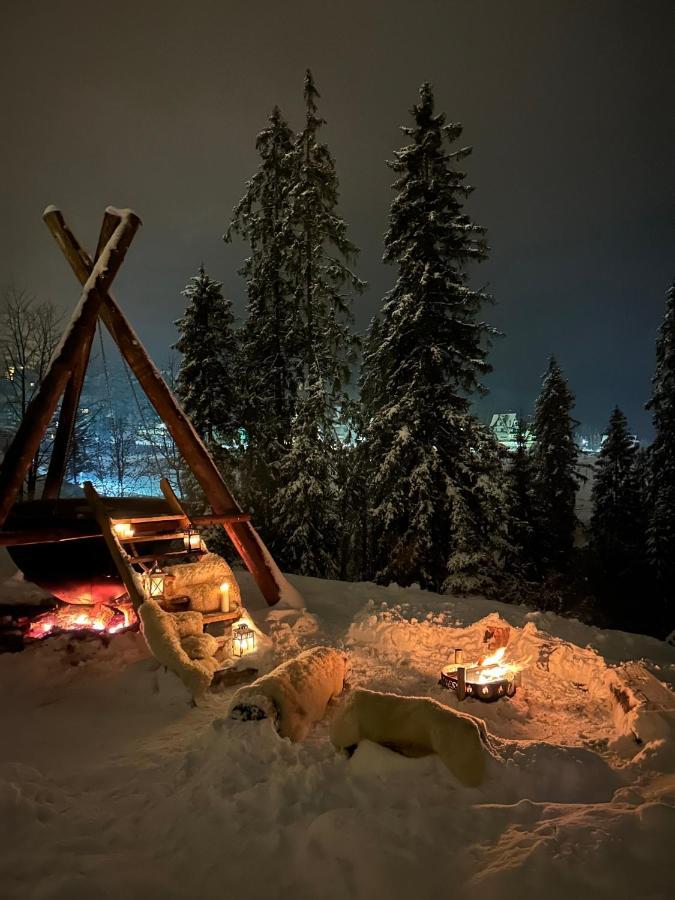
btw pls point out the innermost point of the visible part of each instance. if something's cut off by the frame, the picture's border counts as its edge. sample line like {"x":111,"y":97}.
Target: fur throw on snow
{"x":295,"y":694}
{"x":414,"y":726}
{"x":177,"y":640}
{"x":201,"y":581}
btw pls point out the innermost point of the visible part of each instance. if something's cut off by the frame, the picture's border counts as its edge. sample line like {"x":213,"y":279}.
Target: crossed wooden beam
{"x":65,"y":376}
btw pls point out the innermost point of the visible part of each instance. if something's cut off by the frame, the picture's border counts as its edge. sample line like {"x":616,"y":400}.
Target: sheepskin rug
{"x":177,"y":641}
{"x":201,"y":582}
{"x":414,"y":726}
{"x":295,"y":694}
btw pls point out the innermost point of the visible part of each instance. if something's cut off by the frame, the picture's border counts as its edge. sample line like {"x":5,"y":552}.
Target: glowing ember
{"x":94,"y":617}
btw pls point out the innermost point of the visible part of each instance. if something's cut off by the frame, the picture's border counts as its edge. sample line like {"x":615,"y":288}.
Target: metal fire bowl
{"x":488,"y":692}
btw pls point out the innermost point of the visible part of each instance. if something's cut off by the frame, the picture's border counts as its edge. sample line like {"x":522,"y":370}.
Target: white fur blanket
{"x":201,"y":581}
{"x":414,"y":726}
{"x":173,"y":638}
{"x":295,"y":694}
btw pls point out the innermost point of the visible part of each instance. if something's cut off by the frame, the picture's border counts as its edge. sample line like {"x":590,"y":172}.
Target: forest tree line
{"x":400,"y":482}
{"x":394,"y":478}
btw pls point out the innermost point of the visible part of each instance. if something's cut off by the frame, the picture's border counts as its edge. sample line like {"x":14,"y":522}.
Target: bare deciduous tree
{"x":29,"y":333}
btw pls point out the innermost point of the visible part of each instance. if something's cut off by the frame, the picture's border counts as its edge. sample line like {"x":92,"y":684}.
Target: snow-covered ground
{"x":113,"y":786}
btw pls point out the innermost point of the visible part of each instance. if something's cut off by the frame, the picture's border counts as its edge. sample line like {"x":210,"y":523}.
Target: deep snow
{"x":112,"y":786}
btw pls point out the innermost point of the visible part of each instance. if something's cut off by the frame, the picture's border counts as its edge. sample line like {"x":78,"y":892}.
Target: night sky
{"x":570,"y":108}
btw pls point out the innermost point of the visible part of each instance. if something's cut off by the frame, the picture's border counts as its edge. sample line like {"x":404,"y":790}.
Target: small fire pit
{"x":98,"y":618}
{"x":488,"y":679}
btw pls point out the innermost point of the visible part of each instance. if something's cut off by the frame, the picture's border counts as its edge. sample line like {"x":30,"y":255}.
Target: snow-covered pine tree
{"x":268,"y":359}
{"x":318,"y":261}
{"x":523,"y":514}
{"x":617,"y":525}
{"x":317,"y":265}
{"x":206,"y":382}
{"x":661,"y":525}
{"x":305,"y":507}
{"x":555,"y":460}
{"x":482,"y":556}
{"x":434,"y":477}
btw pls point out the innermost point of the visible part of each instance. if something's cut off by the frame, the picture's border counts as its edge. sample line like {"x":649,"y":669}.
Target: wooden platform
{"x":230,"y":616}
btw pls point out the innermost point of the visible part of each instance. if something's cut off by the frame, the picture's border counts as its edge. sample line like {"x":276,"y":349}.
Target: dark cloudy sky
{"x":569,"y":105}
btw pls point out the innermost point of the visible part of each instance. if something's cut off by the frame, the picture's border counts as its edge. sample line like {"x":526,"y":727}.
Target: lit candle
{"x":225,"y":597}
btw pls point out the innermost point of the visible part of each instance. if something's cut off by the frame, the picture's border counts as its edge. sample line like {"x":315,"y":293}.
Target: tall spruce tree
{"x":436,"y":479}
{"x":305,"y":508}
{"x":617,"y":525}
{"x":317,"y":262}
{"x":269,"y":371}
{"x":661,"y":526}
{"x":206,"y":382}
{"x":523,"y":514}
{"x":555,"y":460}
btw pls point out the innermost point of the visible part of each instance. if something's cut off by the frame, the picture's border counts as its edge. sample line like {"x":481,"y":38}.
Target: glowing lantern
{"x":123,"y":531}
{"x":225,"y":597}
{"x":154,"y":582}
{"x":192,"y":540}
{"x":243,"y":640}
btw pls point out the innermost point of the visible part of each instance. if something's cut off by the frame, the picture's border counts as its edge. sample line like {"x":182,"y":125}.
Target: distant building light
{"x":504,"y":427}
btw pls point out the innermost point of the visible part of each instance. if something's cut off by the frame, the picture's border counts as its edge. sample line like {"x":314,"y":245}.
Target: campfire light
{"x":243,"y":640}
{"x":490,"y":678}
{"x":154,"y":582}
{"x":95,"y":617}
{"x":192,"y":539}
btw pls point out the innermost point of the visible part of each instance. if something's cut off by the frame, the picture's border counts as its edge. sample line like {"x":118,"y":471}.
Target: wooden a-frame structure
{"x":64,"y":379}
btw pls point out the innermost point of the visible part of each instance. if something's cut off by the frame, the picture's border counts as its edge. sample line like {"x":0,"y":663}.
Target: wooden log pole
{"x":67,"y":416}
{"x":461,"y":683}
{"x":43,"y":536}
{"x":194,"y":452}
{"x":231,"y":519}
{"x":120,"y":559}
{"x":71,"y":398}
{"x":40,"y":410}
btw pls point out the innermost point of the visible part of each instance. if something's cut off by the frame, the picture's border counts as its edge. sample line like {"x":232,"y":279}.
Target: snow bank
{"x":415,"y":726}
{"x":295,"y":694}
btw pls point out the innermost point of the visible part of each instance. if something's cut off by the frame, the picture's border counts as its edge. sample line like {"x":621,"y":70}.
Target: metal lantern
{"x":243,"y":640}
{"x":192,"y":539}
{"x":154,"y":582}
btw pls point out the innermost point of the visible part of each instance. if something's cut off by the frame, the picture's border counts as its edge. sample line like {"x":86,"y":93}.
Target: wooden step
{"x":157,"y":556}
{"x":146,"y":538}
{"x":225,"y":519}
{"x":139,"y":520}
{"x":230,"y":616}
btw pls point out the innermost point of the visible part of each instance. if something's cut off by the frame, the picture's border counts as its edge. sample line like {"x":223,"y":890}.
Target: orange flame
{"x":495,"y":668}
{"x":93,"y":617}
